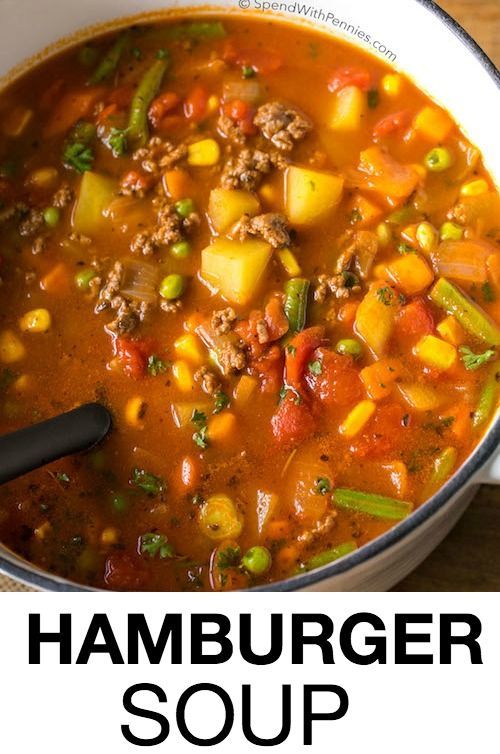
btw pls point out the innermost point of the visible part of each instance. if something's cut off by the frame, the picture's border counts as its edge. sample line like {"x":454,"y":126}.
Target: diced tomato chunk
{"x":293,"y":422}
{"x":123,"y":572}
{"x":392,"y":123}
{"x":196,"y":103}
{"x":383,"y":433}
{"x":298,"y":354}
{"x":108,"y":112}
{"x":334,"y":379}
{"x":136,"y":181}
{"x":161,"y":106}
{"x":349,"y":76}
{"x":242,"y":114}
{"x":134,"y":355}
{"x":262,"y":61}
{"x":269,"y":368}
{"x":276,"y":321}
{"x":414,"y":320}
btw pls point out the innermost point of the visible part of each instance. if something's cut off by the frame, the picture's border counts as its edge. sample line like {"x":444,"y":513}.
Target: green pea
{"x":84,"y":277}
{"x":181,"y":249}
{"x":51,"y":216}
{"x":451,"y":232}
{"x":184,"y":207}
{"x":349,"y":347}
{"x":172,"y":286}
{"x":119,"y":502}
{"x":439,"y":159}
{"x":257,"y":560}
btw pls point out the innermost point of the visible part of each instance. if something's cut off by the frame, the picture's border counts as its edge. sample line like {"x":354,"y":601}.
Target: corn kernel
{"x":433,"y":124}
{"x":436,"y":353}
{"x":43,"y":178}
{"x":245,"y":389}
{"x":289,"y":262}
{"x":222,"y":427}
{"x":451,"y":331}
{"x":42,"y":531}
{"x":203,"y":153}
{"x":16,"y":121}
{"x":188,"y":347}
{"x":37,"y":320}
{"x":392,"y":84}
{"x":135,"y":408}
{"x":109,"y":536}
{"x":357,"y":419}
{"x":427,"y":237}
{"x":213,"y":104}
{"x":183,"y":376}
{"x":475,"y":188}
{"x":11,"y":348}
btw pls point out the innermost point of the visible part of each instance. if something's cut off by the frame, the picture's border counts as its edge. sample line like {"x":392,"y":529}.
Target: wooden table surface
{"x":469,"y":559}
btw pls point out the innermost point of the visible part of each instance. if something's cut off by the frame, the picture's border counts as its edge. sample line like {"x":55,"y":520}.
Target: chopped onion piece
{"x":140,"y":281}
{"x":463,"y":260}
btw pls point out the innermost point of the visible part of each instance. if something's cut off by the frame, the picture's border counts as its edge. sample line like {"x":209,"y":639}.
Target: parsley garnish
{"x":473,"y":361}
{"x":350,"y":279}
{"x":291,"y":350}
{"x":62,"y":477}
{"x":156,"y":366}
{"x":323,"y":485}
{"x":78,"y":156}
{"x":117,"y":141}
{"x":488,"y":294}
{"x":228,"y":558}
{"x":147,"y":482}
{"x":221,"y":401}
{"x":315,"y":367}
{"x":156,"y":544}
{"x":162,"y":54}
{"x":248,"y":72}
{"x":355,"y":216}
{"x":405,"y":248}
{"x":373,"y":98}
{"x":200,"y":437}
{"x":385,"y":295}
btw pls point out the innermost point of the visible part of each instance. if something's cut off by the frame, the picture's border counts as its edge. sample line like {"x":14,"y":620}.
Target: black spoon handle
{"x":35,"y":446}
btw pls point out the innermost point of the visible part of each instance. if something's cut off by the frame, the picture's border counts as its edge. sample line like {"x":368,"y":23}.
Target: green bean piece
{"x":329,"y":556}
{"x":444,"y":464}
{"x":472,"y":318}
{"x":257,"y":560}
{"x":197,"y":30}
{"x":488,"y":397}
{"x":84,"y":277}
{"x":111,"y":59}
{"x":296,"y":293}
{"x":147,"y":90}
{"x":378,"y":506}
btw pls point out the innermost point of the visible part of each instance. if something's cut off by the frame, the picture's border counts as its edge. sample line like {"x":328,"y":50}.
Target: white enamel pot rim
{"x":484,"y":463}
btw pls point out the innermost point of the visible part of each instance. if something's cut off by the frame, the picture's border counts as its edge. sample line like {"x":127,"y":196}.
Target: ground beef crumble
{"x":273,"y":227}
{"x":63,"y":196}
{"x":246,"y":170}
{"x":232,"y":358}
{"x":210,"y":384}
{"x":229,"y":129}
{"x":128,"y":313}
{"x":31,"y":223}
{"x":343,"y":285}
{"x":223,"y":320}
{"x":159,"y":155}
{"x":170,"y":228}
{"x":282,"y":125}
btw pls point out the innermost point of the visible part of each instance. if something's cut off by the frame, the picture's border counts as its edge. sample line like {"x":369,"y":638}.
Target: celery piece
{"x":472,"y":318}
{"x":444,"y":464}
{"x":487,"y":399}
{"x":373,"y":505}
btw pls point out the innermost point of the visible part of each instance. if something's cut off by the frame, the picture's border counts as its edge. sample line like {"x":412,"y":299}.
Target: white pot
{"x":418,"y":38}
